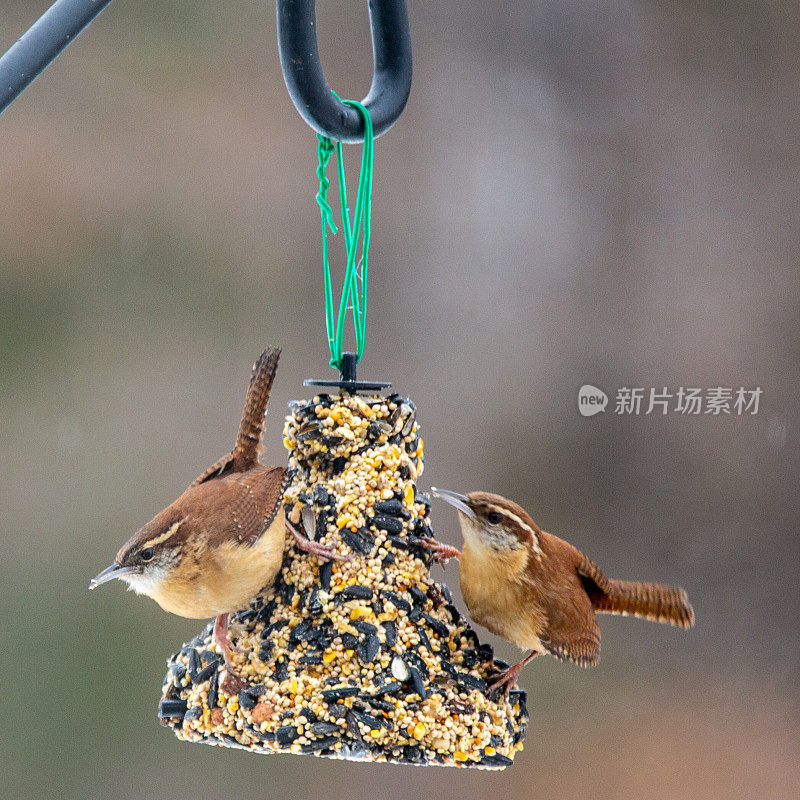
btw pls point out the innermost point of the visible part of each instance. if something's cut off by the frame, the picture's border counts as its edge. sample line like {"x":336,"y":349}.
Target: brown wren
{"x":537,"y":590}
{"x":221,"y":542}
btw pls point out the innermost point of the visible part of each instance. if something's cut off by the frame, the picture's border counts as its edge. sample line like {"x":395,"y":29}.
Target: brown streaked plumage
{"x":215,"y":547}
{"x":537,"y":590}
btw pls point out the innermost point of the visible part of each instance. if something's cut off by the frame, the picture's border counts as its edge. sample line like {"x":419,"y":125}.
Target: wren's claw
{"x":441,"y":552}
{"x":222,"y":637}
{"x":323,"y":551}
{"x":508,"y":677}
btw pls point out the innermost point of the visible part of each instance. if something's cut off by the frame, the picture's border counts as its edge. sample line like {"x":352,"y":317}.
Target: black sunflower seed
{"x":195,"y":712}
{"x":314,"y":604}
{"x":472,"y":682}
{"x":471,"y":637}
{"x":448,"y":667}
{"x":414,"y":755}
{"x":320,"y":495}
{"x":325,"y":743}
{"x":365,"y":627}
{"x":204,"y":674}
{"x":321,"y":525}
{"x":352,"y":727}
{"x":520,"y":696}
{"x":420,"y":598}
{"x":415,"y":615}
{"x":358,"y":591}
{"x":387,"y":523}
{"x":496,"y":760}
{"x":424,"y":640}
{"x":338,"y":465}
{"x":437,"y":626}
{"x":416,"y":660}
{"x":394,"y":508}
{"x":349,"y":642}
{"x":265,"y":614}
{"x":368,"y":648}
{"x":171,"y":709}
{"x":373,"y":723}
{"x":213,"y":690}
{"x":285,"y":735}
{"x":388,"y":560}
{"x":397,"y":543}
{"x":485,"y":652}
{"x":383,"y":705}
{"x":454,"y":613}
{"x":302,"y":632}
{"x":177,"y":673}
{"x":360,"y":541}
{"x":339,"y":693}
{"x":194,"y":661}
{"x":374,"y":431}
{"x":390,"y":629}
{"x":246,"y":700}
{"x":266,"y":651}
{"x":323,"y":728}
{"x":399,"y":603}
{"x":404,"y":472}
{"x":469,"y":658}
{"x":310,"y":658}
{"x":499,"y":665}
{"x":325,"y":573}
{"x":281,"y":672}
{"x":418,"y":683}
{"x":388,"y":688}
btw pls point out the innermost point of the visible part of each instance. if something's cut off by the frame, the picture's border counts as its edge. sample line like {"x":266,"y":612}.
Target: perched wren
{"x":212,"y":550}
{"x":537,"y":590}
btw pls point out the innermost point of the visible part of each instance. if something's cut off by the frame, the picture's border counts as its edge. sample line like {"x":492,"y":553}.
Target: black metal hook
{"x":302,"y":71}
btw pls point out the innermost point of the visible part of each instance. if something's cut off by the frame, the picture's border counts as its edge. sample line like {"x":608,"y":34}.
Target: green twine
{"x":352,"y":232}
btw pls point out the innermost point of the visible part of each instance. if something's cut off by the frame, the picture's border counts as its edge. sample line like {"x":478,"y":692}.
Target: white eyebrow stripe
{"x":162,"y":537}
{"x":524,"y":525}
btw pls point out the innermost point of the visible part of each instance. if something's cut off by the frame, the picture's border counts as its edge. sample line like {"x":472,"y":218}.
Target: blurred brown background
{"x":578,"y":192}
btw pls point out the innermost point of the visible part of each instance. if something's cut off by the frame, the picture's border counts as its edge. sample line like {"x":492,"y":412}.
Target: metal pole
{"x":44,"y":40}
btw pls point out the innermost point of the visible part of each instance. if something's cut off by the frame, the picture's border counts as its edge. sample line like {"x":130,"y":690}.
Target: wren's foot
{"x":508,"y":678}
{"x":322,"y":551}
{"x":441,"y":552}
{"x":222,"y":636}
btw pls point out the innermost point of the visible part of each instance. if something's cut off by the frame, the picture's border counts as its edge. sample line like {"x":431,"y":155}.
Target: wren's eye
{"x":147,"y":554}
{"x":495,"y":518}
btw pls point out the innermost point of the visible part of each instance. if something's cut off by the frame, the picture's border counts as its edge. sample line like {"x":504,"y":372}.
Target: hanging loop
{"x":313,"y":98}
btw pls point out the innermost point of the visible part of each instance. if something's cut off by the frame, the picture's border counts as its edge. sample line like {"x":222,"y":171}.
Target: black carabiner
{"x":302,"y":71}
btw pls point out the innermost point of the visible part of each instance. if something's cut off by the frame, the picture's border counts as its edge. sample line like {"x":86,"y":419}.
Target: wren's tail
{"x":251,"y":427}
{"x":653,"y":601}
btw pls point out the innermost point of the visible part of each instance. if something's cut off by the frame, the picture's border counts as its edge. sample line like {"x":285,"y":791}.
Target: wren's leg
{"x":315,"y":548}
{"x":509,"y":677}
{"x":441,"y":552}
{"x":222,"y":636}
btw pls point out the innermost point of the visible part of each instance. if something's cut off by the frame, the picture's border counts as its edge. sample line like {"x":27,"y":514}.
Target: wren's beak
{"x":456,"y":500}
{"x":109,"y":573}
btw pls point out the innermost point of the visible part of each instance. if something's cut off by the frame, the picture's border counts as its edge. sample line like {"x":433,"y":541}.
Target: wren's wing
{"x":574,"y":635}
{"x":255,"y":500}
{"x":570,"y":632}
{"x":244,"y":455}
